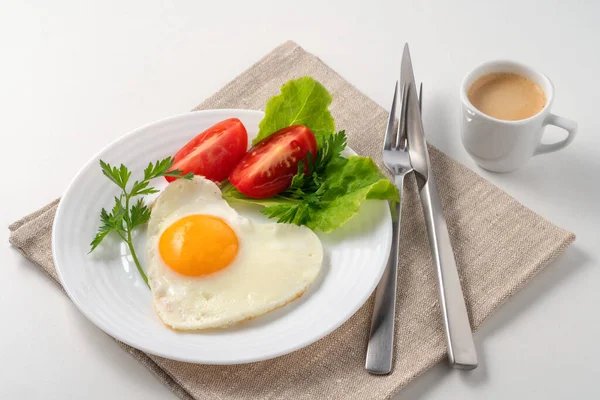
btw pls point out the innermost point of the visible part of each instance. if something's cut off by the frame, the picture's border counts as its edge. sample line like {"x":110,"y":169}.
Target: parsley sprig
{"x":127,"y":214}
{"x":307,"y":184}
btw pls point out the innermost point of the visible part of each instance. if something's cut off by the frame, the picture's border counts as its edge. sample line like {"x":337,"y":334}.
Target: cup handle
{"x":567,"y":124}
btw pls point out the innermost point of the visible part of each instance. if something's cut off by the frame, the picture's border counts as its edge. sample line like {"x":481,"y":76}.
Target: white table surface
{"x":75,"y":76}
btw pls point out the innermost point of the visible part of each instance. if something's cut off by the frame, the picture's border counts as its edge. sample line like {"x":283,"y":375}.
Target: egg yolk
{"x":198,"y":245}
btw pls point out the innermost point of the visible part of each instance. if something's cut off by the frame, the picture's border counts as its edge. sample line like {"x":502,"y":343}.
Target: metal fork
{"x":396,"y":159}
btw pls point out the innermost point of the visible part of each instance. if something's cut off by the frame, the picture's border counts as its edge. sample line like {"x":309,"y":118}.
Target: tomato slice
{"x":268,"y":168}
{"x":214,"y":152}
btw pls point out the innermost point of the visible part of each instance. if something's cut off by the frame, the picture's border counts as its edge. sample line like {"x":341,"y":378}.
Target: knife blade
{"x":459,"y":337}
{"x":412,"y":122}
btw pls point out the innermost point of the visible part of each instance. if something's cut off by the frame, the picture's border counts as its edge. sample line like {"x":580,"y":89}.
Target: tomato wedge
{"x":268,"y":168}
{"x":214,"y":152}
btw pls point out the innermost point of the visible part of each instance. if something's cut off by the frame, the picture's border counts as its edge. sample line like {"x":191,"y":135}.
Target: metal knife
{"x":459,"y":337}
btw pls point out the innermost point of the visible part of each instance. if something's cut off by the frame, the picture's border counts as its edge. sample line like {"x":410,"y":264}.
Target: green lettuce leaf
{"x":302,"y":101}
{"x":348,"y":183}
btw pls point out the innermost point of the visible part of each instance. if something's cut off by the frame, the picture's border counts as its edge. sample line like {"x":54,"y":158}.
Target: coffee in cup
{"x":507,"y":96}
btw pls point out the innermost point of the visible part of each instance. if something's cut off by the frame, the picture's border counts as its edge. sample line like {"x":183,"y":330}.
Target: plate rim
{"x":115,"y":335}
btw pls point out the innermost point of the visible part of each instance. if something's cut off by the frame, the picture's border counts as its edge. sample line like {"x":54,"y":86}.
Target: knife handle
{"x":459,"y":337}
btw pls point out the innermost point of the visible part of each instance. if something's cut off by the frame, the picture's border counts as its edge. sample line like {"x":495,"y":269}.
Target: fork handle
{"x":459,"y":337}
{"x":381,"y":338}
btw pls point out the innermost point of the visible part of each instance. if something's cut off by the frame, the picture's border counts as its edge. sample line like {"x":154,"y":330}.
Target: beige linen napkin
{"x":499,"y":244}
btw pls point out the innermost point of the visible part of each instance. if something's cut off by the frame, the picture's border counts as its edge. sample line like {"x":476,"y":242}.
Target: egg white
{"x":275,"y":263}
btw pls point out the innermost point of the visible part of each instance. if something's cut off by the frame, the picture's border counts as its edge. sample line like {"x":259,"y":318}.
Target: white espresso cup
{"x":502,"y":146}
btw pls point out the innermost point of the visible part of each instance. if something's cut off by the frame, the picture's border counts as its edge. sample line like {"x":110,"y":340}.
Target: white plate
{"x":106,"y":287}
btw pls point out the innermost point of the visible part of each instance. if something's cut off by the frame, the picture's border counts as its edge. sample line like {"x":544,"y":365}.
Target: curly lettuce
{"x":302,"y":101}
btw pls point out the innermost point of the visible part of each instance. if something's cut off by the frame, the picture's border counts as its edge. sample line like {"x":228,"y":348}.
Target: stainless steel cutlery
{"x":405,"y":151}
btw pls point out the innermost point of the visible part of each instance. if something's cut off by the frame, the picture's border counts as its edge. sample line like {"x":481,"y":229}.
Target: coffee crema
{"x":507,"y":96}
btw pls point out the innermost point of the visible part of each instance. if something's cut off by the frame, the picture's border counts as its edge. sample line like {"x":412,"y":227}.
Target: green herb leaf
{"x":297,"y":214}
{"x":331,"y":150}
{"x":141,"y":188}
{"x":179,"y":174}
{"x":100,"y":235}
{"x":119,"y":176}
{"x":302,"y":101}
{"x":111,"y":222}
{"x":140,"y":214}
{"x":158,"y":169}
{"x":138,"y":186}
